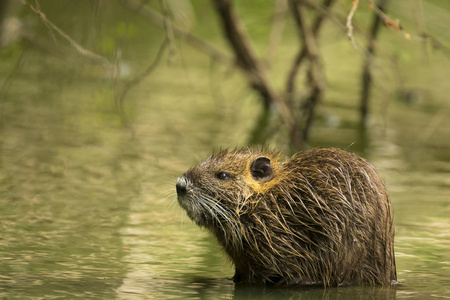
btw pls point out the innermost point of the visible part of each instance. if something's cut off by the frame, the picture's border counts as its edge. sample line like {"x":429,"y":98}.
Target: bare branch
{"x":349,"y":24}
{"x":276,"y":31}
{"x":188,"y":37}
{"x":322,"y":10}
{"x":388,"y":21}
{"x":138,"y":79}
{"x":245,"y":56}
{"x":82,"y":51}
{"x":367,"y":68}
{"x":292,"y":75}
{"x":168,"y":29}
{"x":315,"y":76}
{"x":38,"y":7}
{"x":251,"y":66}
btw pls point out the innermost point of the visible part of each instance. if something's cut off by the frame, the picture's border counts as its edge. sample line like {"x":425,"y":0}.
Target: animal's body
{"x":322,"y":216}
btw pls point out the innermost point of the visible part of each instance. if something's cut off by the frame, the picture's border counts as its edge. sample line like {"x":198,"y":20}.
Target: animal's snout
{"x":181,"y":188}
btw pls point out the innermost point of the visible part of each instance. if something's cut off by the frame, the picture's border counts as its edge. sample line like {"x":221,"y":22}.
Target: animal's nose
{"x":181,"y":188}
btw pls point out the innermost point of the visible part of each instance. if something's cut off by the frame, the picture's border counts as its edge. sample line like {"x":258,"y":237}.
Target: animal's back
{"x":327,"y":220}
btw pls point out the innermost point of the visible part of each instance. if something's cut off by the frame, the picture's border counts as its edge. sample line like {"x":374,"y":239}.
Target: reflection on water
{"x":85,"y":204}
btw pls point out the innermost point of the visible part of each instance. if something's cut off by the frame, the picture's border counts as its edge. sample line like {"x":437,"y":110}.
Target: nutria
{"x":321,"y":217}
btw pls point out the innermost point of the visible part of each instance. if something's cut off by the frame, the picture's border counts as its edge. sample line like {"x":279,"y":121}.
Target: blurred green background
{"x":87,"y":199}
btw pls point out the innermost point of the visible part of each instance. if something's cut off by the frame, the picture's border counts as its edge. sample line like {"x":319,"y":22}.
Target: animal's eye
{"x":222,"y":175}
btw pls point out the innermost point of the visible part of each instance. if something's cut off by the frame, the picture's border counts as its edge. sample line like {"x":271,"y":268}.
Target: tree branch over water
{"x":195,"y":41}
{"x":82,"y":51}
{"x":252,"y":67}
{"x":245,"y":56}
{"x":367,"y":67}
{"x":276,"y":31}
{"x":315,"y":75}
{"x":285,"y":109}
{"x":137,"y":79}
{"x":303,"y":52}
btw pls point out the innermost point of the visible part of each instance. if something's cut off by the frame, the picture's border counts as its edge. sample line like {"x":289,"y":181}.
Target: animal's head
{"x":222,"y":187}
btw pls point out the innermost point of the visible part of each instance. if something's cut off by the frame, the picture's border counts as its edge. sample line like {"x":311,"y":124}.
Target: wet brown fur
{"x":323,"y":218}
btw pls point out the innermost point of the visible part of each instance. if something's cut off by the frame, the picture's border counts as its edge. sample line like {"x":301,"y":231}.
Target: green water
{"x":88,"y":206}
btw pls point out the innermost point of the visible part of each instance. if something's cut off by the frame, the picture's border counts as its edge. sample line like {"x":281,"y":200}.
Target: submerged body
{"x":320,"y":217}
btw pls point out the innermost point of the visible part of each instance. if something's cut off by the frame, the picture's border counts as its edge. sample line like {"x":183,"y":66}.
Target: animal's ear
{"x":261,"y":169}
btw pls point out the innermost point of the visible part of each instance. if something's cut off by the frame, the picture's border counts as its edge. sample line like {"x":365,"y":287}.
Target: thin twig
{"x":246,"y":57}
{"x":338,"y":18}
{"x":349,"y":24}
{"x":277,"y":28}
{"x":292,"y":75}
{"x":367,"y":78}
{"x":388,"y":21}
{"x":188,"y":37}
{"x":309,"y":50}
{"x":420,"y":20}
{"x":253,"y":69}
{"x":38,"y":7}
{"x":84,"y":52}
{"x":315,"y":75}
{"x":138,"y":79}
{"x":169,"y":30}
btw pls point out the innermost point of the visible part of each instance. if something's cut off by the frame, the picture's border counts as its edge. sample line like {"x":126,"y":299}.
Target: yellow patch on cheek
{"x":256,"y":186}
{"x":260,"y":186}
